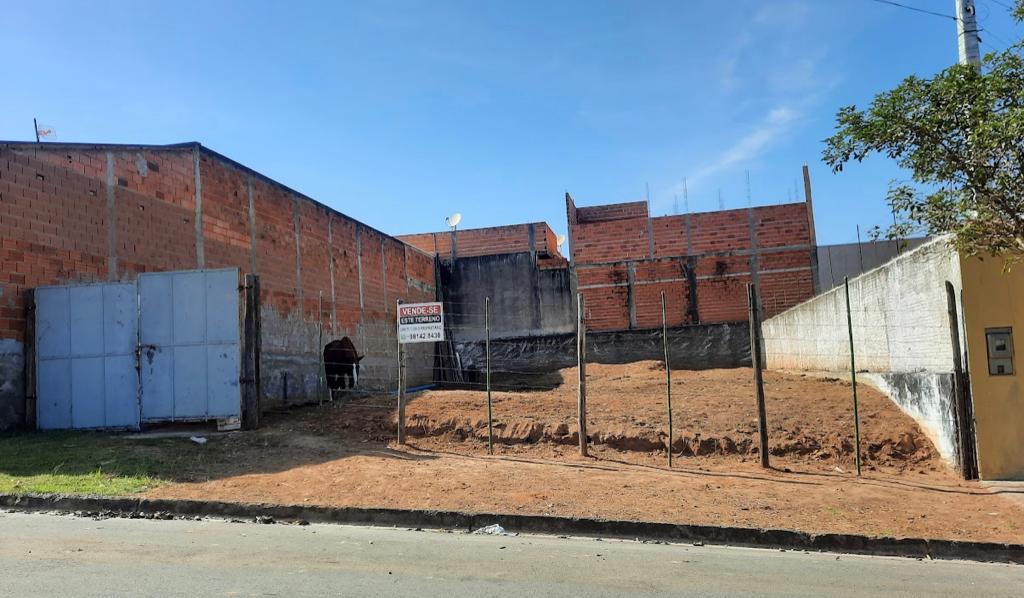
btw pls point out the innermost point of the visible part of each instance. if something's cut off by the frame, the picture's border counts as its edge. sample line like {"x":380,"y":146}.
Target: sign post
{"x":417,"y":323}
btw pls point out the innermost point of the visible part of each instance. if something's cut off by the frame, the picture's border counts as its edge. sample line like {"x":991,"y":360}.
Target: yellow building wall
{"x":993,"y":299}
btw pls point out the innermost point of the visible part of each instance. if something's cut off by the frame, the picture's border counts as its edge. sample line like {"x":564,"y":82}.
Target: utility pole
{"x":967,"y":32}
{"x":35,"y":126}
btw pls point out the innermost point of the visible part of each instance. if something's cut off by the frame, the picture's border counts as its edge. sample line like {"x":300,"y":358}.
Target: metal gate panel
{"x":190,"y":356}
{"x":85,"y":339}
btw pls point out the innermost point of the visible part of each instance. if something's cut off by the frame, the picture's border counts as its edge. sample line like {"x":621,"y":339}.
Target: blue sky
{"x":401,"y":112}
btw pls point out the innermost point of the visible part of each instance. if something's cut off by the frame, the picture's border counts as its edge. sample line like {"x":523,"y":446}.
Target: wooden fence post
{"x":668,"y":375}
{"x":581,"y":358}
{"x":853,"y":376}
{"x":401,"y":378}
{"x":487,"y":332}
{"x":251,"y":354}
{"x":755,"y":358}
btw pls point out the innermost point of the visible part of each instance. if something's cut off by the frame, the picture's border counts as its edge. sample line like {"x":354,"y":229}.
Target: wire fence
{"x":562,"y":393}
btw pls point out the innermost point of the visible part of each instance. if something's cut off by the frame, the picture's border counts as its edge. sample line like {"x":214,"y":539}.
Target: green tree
{"x":961,"y":136}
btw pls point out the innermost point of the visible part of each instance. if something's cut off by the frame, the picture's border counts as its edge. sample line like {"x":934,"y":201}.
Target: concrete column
{"x":252,"y":225}
{"x":111,"y":219}
{"x":650,"y":236}
{"x":200,"y":253}
{"x":330,"y":267}
{"x":689,"y":235}
{"x":384,"y":273}
{"x":808,"y":201}
{"x":533,"y":243}
{"x":361,"y":333}
{"x":630,"y":278}
{"x":359,"y":269}
{"x":754,"y":255}
{"x":298,"y":258}
{"x":405,"y":265}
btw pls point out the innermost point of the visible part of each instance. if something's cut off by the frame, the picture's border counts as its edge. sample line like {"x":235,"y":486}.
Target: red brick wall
{"x":54,"y":229}
{"x":615,"y":211}
{"x":724,"y":252}
{"x":514,"y":238}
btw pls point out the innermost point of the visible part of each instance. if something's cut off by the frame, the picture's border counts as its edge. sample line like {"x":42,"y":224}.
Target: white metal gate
{"x":85,"y":351}
{"x":115,"y":355}
{"x":189,"y":351}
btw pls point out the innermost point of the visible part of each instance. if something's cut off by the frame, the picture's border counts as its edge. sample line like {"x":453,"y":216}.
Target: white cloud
{"x":774,"y":125}
{"x":773,"y":72}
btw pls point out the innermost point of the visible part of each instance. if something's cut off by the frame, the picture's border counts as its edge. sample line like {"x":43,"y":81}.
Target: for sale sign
{"x":420,"y":323}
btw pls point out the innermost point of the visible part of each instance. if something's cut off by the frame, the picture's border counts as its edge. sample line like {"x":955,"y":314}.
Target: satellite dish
{"x":453,"y":220}
{"x":560,"y":240}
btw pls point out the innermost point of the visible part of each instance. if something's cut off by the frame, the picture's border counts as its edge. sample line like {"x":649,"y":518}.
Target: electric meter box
{"x":1000,"y":351}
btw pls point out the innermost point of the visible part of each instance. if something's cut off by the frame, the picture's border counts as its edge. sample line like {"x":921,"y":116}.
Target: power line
{"x":1003,"y":4}
{"x":916,"y":9}
{"x":998,"y":38}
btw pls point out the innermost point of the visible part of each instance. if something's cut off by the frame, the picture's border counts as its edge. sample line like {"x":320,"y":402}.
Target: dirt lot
{"x":714,"y":413}
{"x":344,"y":455}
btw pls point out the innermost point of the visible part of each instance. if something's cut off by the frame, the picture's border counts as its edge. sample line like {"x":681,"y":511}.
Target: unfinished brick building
{"x":624,"y":259}
{"x":85,"y":212}
{"x":535,"y":238}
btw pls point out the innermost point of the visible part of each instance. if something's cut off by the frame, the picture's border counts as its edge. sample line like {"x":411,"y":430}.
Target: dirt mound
{"x":714,"y":413}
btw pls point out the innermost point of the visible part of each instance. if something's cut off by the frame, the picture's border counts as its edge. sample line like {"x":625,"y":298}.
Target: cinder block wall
{"x":901,"y":333}
{"x":624,"y":259}
{"x":81,"y":213}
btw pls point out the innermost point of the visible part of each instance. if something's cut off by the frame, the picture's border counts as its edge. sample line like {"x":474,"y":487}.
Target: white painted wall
{"x":899,"y":317}
{"x":900,"y":335}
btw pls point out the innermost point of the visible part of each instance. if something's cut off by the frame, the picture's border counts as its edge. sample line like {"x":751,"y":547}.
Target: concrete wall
{"x":78,"y":212}
{"x":526,"y":300}
{"x":854,"y":259}
{"x":994,"y":298}
{"x":901,"y":336}
{"x":624,"y":259}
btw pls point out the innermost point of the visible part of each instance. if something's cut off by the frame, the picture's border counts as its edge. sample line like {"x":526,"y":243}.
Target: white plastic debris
{"x":198,"y":439}
{"x":494,"y":530}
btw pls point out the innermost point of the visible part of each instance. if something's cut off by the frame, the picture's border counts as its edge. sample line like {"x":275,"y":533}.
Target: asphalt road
{"x":50,"y":555}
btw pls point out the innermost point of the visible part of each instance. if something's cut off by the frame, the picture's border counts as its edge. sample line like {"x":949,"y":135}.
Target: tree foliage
{"x":961,"y":136}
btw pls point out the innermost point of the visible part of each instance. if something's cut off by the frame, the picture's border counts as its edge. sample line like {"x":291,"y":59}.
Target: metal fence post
{"x":401,"y":377}
{"x":581,"y":358}
{"x":487,"y":341}
{"x":755,"y":358}
{"x":668,"y":375}
{"x":853,"y":375}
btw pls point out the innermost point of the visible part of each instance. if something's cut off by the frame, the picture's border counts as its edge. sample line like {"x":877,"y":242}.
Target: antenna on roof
{"x":453,"y":220}
{"x":42,"y":130}
{"x":560,"y":240}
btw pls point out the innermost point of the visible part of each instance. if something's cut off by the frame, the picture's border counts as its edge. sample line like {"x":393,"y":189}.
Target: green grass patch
{"x":92,"y":462}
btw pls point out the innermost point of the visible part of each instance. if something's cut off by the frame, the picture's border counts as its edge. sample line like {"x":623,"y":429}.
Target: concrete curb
{"x":540,"y":524}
